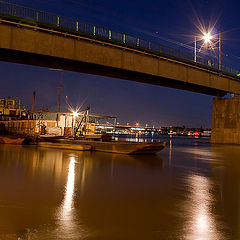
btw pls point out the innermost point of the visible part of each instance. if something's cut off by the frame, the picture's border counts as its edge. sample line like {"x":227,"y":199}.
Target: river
{"x":190,"y":190}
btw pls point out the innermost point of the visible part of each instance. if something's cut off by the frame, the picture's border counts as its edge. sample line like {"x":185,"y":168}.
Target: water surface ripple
{"x":189,"y":191}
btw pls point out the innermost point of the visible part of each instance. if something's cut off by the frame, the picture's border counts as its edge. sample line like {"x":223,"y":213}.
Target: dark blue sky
{"x":131,"y":102}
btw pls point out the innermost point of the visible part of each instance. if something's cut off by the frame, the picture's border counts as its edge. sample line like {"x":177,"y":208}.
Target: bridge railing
{"x":36,"y":17}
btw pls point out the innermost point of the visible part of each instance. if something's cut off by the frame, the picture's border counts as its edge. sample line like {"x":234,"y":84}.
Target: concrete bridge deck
{"x":30,"y":42}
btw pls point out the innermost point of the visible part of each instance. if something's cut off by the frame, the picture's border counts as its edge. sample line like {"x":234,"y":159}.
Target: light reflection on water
{"x":189,"y":191}
{"x":65,"y":216}
{"x":69,"y":227}
{"x":201,"y":222}
{"x":68,"y":197}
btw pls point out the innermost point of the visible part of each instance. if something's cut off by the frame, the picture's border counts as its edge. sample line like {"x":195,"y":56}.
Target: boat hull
{"x":9,"y":140}
{"x":66,"y":146}
{"x":119,"y":147}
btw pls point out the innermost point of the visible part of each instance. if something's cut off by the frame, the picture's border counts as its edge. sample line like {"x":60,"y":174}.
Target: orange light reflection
{"x":201,"y":223}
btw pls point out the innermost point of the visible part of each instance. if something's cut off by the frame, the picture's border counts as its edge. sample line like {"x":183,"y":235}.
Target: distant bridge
{"x":29,"y":36}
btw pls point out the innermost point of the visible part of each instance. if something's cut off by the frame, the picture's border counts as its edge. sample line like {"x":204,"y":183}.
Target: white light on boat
{"x":75,"y":114}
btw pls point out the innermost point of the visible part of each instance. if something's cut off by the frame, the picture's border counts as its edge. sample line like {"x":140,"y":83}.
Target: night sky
{"x":162,"y":21}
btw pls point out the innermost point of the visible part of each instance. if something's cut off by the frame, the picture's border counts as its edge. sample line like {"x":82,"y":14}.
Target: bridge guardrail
{"x":37,"y":17}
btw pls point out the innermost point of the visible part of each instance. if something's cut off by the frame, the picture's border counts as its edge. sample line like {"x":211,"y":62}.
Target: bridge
{"x":29,"y":36}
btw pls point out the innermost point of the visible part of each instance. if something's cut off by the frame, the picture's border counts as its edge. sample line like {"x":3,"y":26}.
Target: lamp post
{"x":195,"y":49}
{"x":74,"y":116}
{"x":219,"y":52}
{"x":207,"y":39}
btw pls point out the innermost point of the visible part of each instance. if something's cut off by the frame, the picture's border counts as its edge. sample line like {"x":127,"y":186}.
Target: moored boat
{"x":121,"y":147}
{"x":128,"y":147}
{"x":12,"y":140}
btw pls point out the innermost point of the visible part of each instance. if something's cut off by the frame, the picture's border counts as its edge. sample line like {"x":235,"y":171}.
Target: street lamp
{"x":75,"y":114}
{"x":207,"y":37}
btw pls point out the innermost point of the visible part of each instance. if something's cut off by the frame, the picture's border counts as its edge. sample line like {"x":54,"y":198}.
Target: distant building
{"x":194,"y":133}
{"x":206,"y":133}
{"x":10,"y":107}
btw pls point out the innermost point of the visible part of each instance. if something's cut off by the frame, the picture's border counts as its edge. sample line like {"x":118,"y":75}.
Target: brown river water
{"x":190,"y":190}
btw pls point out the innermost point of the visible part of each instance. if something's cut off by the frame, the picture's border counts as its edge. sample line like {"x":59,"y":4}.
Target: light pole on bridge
{"x":219,"y":51}
{"x":206,"y":37}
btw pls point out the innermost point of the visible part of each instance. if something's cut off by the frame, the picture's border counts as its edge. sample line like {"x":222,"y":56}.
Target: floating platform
{"x":121,"y":147}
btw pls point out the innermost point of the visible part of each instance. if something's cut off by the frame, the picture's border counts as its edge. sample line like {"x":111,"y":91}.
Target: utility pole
{"x":195,"y":49}
{"x":33,"y":101}
{"x":59,"y":87}
{"x":219,"y":51}
{"x":19,"y":108}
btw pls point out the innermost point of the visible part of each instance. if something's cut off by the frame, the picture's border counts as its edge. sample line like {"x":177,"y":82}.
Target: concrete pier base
{"x":226,"y":121}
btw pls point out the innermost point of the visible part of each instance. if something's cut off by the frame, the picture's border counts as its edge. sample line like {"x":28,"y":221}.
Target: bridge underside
{"x":46,"y":47}
{"x":27,"y":44}
{"x":90,"y":68}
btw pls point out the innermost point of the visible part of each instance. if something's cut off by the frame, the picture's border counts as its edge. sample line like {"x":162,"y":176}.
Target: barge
{"x":121,"y":147}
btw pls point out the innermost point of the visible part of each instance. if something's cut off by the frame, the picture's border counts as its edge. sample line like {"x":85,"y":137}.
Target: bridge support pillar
{"x":226,"y":121}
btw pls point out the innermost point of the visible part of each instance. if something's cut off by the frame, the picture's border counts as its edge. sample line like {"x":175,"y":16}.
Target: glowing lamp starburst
{"x":207,"y":37}
{"x":75,"y":114}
